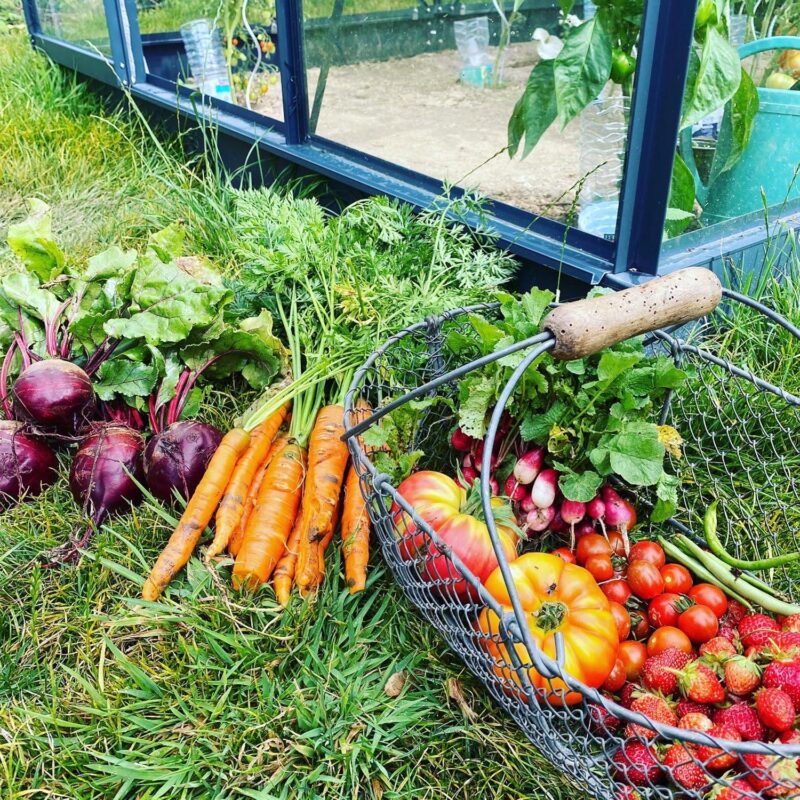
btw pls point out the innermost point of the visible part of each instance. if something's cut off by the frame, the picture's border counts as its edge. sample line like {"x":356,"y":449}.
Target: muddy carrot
{"x":355,"y":533}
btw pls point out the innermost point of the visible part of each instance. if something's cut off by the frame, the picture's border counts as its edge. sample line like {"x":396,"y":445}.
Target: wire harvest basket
{"x":741,"y":439}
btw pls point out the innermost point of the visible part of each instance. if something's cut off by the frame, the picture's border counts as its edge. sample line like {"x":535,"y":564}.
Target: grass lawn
{"x":202,"y":696}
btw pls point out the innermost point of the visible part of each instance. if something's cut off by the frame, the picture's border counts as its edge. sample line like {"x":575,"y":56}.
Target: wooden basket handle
{"x":586,"y":326}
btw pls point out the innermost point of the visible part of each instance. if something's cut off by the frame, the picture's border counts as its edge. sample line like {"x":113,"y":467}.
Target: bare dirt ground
{"x":416,"y":113}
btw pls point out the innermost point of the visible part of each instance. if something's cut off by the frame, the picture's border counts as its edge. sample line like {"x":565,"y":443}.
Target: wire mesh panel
{"x":740,"y":446}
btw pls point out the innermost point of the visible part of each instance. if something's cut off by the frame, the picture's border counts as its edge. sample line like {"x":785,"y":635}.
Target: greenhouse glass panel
{"x":80,"y":22}
{"x":223,"y":48}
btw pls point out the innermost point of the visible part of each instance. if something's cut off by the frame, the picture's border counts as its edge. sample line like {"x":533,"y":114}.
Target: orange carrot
{"x":197,"y":514}
{"x":327,"y":459}
{"x":272,"y":519}
{"x":284,"y":573}
{"x":323,"y":545}
{"x":235,"y":542}
{"x":232,"y":506}
{"x":355,"y":533}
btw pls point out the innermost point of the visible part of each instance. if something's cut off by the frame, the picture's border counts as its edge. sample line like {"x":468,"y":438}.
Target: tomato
{"x":565,"y":554}
{"x":600,"y":567}
{"x":616,"y":678}
{"x":666,"y":637}
{"x":645,"y":580}
{"x":557,"y":598}
{"x":677,"y":578}
{"x":699,"y":623}
{"x":442,"y":504}
{"x":617,"y":590}
{"x":623,"y":620}
{"x":632,"y":655}
{"x":617,"y":543}
{"x":640,"y":625}
{"x":662,"y":610}
{"x":648,"y":551}
{"x":706,"y":594}
{"x":622,"y":65}
{"x":592,"y":544}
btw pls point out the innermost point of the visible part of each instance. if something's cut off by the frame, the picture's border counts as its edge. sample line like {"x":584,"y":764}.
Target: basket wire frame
{"x":726,"y":415}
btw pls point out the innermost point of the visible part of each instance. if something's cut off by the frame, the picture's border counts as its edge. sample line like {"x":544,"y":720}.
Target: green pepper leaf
{"x":535,"y":111}
{"x":737,"y":124}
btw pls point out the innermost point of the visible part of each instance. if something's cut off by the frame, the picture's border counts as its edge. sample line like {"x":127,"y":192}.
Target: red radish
{"x":27,"y":464}
{"x":618,"y":514}
{"x":460,"y":441}
{"x":583,"y":528}
{"x":529,"y":465}
{"x":477,"y":456}
{"x":467,"y":461}
{"x":470,"y":475}
{"x":543,"y":492}
{"x":513,"y":490}
{"x":527,"y":503}
{"x":596,"y":508}
{"x":539,"y":519}
{"x":572,"y":512}
{"x":494,"y":485}
{"x":558,"y":525}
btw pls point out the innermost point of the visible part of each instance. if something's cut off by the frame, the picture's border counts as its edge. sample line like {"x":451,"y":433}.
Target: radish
{"x":558,"y":525}
{"x":460,"y":441}
{"x":477,"y":456}
{"x":469,"y":474}
{"x":572,"y":512}
{"x":527,"y":503}
{"x":27,"y":465}
{"x":514,"y":491}
{"x":539,"y":519}
{"x":543,"y":492}
{"x":582,"y":528}
{"x":494,"y":486}
{"x":596,"y":508}
{"x":618,"y":513}
{"x":528,"y":465}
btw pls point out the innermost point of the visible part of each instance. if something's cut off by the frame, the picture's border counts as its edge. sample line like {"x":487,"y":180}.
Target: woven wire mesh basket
{"x":741,"y":441}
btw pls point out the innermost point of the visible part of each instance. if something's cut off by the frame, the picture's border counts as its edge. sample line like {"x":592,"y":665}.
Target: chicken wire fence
{"x":740,"y":435}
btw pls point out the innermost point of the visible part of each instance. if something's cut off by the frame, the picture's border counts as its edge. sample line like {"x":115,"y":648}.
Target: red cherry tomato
{"x":645,"y":580}
{"x":593,"y":544}
{"x":677,"y":578}
{"x":617,"y":590}
{"x":600,"y":567}
{"x":632,"y":655}
{"x":648,"y":551}
{"x":617,"y":543}
{"x":623,"y":620}
{"x":699,"y":623}
{"x":662,"y":610}
{"x":565,"y":554}
{"x":706,"y":594}
{"x":616,"y":678}
{"x":640,"y":625}
{"x":666,"y":637}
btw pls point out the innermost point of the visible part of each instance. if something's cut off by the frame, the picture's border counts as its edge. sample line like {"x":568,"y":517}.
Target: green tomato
{"x":622,"y":65}
{"x":706,"y":15}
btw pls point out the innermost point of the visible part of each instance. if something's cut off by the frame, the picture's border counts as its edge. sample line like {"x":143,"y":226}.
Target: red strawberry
{"x":790,"y":737}
{"x":772,"y":775}
{"x":718,"y":758}
{"x":627,"y":694}
{"x":653,"y":707}
{"x":601,"y":721}
{"x":755,"y":629}
{"x":775,"y":709}
{"x":742,"y":676}
{"x":784,"y":675}
{"x":737,"y":789}
{"x":729,"y":632}
{"x":736,"y":611}
{"x":717,"y":650}
{"x":695,"y":722}
{"x":792,"y":623}
{"x":742,"y":717}
{"x":657,"y":674}
{"x":681,"y":765}
{"x":684,"y":707}
{"x":699,"y":683}
{"x":626,"y":792}
{"x":635,"y":763}
{"x":783,"y":645}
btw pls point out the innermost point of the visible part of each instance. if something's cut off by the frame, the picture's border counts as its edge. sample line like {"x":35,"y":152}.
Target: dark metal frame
{"x":661,"y":73}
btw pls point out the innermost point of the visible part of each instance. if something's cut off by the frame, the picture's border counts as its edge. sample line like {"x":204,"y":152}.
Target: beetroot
{"x":27,"y":465}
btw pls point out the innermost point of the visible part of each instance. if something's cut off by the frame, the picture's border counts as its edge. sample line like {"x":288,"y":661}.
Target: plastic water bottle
{"x":206,"y":58}
{"x":472,"y":41}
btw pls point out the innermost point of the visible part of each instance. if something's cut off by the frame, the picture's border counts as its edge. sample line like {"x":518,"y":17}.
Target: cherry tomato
{"x":706,"y":594}
{"x":662,"y":610}
{"x":645,"y":580}
{"x":648,"y":551}
{"x":600,"y":567}
{"x":623,"y":620}
{"x":617,"y":543}
{"x":632,"y":655}
{"x":617,"y":590}
{"x":640,"y":625}
{"x":666,"y":637}
{"x":565,"y":554}
{"x":616,"y":678}
{"x":592,"y":544}
{"x":677,"y":578}
{"x":699,"y":623}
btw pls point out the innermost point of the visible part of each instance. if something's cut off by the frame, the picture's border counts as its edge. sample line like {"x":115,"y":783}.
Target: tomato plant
{"x":645,"y":580}
{"x":677,"y":578}
{"x":648,"y":551}
{"x":699,"y":623}
{"x":623,"y":620}
{"x":592,"y":544}
{"x":706,"y":594}
{"x":617,"y":590}
{"x":633,"y":655}
{"x":667,"y":637}
{"x":663,"y":610}
{"x":600,"y":567}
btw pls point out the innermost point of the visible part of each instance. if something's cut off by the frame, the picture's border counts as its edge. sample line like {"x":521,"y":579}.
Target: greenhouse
{"x":400,"y":399}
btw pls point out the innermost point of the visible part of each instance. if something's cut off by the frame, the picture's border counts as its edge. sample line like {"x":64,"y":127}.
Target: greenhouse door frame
{"x":636,"y":251}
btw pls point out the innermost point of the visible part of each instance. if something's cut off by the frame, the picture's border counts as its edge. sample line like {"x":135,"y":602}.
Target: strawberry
{"x":729,"y":632}
{"x":775,"y":709}
{"x":627,"y":694}
{"x":635,"y":763}
{"x":737,"y":789}
{"x":772,"y":775}
{"x":781,"y":645}
{"x":742,"y":676}
{"x":681,"y":765}
{"x":695,"y":722}
{"x":792,"y":623}
{"x":718,"y":758}
{"x":684,"y":707}
{"x":742,"y":717}
{"x":784,"y":675}
{"x":736,"y":611}
{"x":790,"y":737}
{"x":654,"y":707}
{"x":657,"y":675}
{"x":601,"y":721}
{"x":755,"y":629}
{"x":626,"y":792}
{"x":698,"y":682}
{"x":717,"y":650}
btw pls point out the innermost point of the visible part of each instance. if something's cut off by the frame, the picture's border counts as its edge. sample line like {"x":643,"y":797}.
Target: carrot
{"x":232,"y":506}
{"x":284,"y":573}
{"x":323,"y":545}
{"x":355,"y":533}
{"x":272,"y":519}
{"x":327,"y":459}
{"x":235,"y":542}
{"x":197,"y":514}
